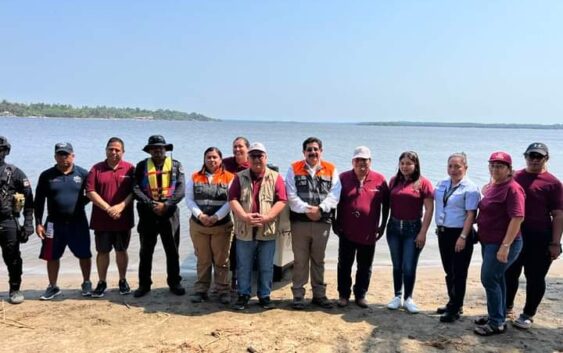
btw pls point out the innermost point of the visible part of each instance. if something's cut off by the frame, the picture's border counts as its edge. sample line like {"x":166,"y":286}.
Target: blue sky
{"x":331,"y":61}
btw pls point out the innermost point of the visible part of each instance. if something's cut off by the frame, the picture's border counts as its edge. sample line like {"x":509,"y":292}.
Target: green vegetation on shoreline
{"x":474,"y":125}
{"x":68,"y":111}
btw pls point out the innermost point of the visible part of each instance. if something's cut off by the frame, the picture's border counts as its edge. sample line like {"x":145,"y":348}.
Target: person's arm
{"x":22,"y":185}
{"x":426,"y":220}
{"x":224,"y":210}
{"x":295,"y":203}
{"x":557,"y":229}
{"x":39,"y":205}
{"x":274,"y":212}
{"x":384,"y":211}
{"x":331,"y":200}
{"x":190,"y":201}
{"x":138,"y":193}
{"x":511,"y":233}
{"x":180,"y":189}
{"x":466,"y":231}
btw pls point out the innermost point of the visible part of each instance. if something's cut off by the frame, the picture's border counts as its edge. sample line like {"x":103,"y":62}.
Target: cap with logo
{"x":362,"y":152}
{"x":501,"y":157}
{"x":257,"y":147}
{"x":63,"y":147}
{"x":537,"y":147}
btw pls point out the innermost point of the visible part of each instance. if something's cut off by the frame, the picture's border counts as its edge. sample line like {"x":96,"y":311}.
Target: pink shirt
{"x":500,"y":203}
{"x":359,"y":207}
{"x":407,"y":199}
{"x":113,"y":185}
{"x":543,"y":195}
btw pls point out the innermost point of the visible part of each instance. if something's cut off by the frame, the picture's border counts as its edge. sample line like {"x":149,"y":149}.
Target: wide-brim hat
{"x":158,"y":141}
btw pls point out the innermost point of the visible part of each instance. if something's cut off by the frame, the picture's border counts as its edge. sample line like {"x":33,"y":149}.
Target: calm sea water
{"x":33,"y":141}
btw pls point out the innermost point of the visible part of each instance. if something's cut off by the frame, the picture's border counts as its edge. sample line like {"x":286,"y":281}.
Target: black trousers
{"x":456,"y":265}
{"x":349,"y":251}
{"x":11,"y":252}
{"x":535,"y":260}
{"x":169,"y":231}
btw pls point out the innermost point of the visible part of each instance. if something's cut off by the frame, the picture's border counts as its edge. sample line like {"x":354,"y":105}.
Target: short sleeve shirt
{"x":543,"y":195}
{"x":113,"y":185}
{"x":452,"y":203}
{"x":500,"y":203}
{"x":407,"y":198}
{"x":280,"y":194}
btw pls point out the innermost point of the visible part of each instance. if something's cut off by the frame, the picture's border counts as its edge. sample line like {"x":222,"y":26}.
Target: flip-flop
{"x":488,"y":330}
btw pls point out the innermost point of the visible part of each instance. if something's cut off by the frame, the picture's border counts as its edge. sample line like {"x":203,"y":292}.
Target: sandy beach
{"x":162,"y":322}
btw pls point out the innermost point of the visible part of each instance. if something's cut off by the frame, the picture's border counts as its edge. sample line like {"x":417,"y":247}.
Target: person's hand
{"x":420,"y":240}
{"x":554,"y":251}
{"x":116,"y":210}
{"x":313,"y":212}
{"x":460,"y":244}
{"x":379,"y":233}
{"x":40,"y":230}
{"x":502,"y":254}
{"x":159,"y":208}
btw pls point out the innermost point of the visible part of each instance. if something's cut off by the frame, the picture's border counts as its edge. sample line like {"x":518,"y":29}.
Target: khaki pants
{"x":211,"y":247}
{"x":309,"y":241}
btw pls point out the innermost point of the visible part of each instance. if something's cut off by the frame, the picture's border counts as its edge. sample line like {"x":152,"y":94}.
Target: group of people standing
{"x":239,"y":205}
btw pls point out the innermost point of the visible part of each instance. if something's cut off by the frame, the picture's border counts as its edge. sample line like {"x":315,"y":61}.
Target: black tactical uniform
{"x":12,"y":182}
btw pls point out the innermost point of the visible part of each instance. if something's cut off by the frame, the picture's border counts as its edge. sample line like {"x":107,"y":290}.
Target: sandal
{"x":483,"y":320}
{"x":488,"y":330}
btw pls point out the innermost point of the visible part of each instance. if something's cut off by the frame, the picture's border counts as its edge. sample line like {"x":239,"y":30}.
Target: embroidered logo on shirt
{"x":77,"y":179}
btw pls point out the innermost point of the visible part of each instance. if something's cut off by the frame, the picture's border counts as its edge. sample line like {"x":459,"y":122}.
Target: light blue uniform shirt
{"x":464,"y":198}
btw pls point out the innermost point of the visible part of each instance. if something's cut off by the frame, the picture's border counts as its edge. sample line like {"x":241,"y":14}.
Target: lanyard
{"x":449,"y":193}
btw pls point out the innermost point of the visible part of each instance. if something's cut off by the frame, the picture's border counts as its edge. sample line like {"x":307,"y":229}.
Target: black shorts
{"x":119,"y":241}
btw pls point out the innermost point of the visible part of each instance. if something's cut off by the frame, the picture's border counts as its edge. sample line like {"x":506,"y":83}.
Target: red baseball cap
{"x":502,"y":157}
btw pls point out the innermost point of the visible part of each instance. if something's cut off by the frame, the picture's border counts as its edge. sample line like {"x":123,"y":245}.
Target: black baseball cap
{"x":63,"y":147}
{"x":537,"y":147}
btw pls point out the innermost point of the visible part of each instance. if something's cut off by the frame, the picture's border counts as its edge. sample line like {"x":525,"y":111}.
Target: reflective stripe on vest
{"x":168,"y":180}
{"x":313,"y":190}
{"x":210,"y":196}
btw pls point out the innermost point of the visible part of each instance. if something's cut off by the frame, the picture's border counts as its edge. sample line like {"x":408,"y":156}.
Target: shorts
{"x":118,"y":240}
{"x":74,"y":233}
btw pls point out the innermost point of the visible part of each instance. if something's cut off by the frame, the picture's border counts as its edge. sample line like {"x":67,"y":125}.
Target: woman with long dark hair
{"x":412,"y":205}
{"x":210,"y":225}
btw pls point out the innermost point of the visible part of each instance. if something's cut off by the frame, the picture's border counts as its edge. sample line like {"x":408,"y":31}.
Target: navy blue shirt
{"x":64,"y":193}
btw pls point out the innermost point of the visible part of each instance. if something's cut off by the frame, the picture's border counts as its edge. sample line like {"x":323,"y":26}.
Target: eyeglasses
{"x":256,"y":156}
{"x":534,"y":155}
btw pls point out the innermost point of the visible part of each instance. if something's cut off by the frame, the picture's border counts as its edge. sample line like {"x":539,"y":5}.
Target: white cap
{"x":361,"y":152}
{"x":257,"y":146}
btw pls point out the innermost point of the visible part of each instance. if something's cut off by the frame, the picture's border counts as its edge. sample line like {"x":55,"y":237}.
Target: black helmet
{"x":4,"y":144}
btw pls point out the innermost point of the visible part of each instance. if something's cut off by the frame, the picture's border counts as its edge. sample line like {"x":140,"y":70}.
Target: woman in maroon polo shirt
{"x":411,"y":194}
{"x":501,"y":211}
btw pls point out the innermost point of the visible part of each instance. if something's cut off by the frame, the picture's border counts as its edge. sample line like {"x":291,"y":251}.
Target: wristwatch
{"x":463,"y":236}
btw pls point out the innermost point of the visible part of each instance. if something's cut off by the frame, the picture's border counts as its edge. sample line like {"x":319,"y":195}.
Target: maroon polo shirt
{"x":407,"y":198}
{"x":113,"y":185}
{"x":543,"y":195}
{"x":499,"y":204}
{"x":280,"y":194}
{"x":231,"y":165}
{"x":359,"y":207}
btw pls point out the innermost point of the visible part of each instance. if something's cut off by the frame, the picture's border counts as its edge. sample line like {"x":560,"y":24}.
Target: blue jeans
{"x":492,"y":278}
{"x":404,"y":253}
{"x":263,"y":252}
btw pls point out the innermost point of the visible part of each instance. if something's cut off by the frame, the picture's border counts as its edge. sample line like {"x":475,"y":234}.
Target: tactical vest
{"x":313,"y":190}
{"x":7,"y":190}
{"x":210,"y":196}
{"x":266,"y":197}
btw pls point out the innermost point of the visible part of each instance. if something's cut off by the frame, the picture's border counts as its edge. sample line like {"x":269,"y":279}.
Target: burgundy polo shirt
{"x":280,"y":194}
{"x":359,"y":208}
{"x":543,"y":195}
{"x":113,"y":185}
{"x":231,"y":165}
{"x":407,"y":198}
{"x":499,"y":204}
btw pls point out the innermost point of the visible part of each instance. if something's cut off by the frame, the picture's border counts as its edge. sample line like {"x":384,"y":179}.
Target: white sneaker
{"x":395,"y":303}
{"x":410,"y":306}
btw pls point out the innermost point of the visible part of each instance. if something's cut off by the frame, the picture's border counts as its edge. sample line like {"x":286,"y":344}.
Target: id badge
{"x":50,"y":231}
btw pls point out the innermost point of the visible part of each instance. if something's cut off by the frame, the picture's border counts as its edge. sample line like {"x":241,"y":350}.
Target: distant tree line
{"x":473,"y":125}
{"x":103,"y":112}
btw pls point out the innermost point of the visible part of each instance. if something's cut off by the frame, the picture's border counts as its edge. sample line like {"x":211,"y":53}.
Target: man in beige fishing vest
{"x":257,"y":196}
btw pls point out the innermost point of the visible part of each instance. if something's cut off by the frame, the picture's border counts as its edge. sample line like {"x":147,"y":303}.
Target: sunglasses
{"x":534,"y":155}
